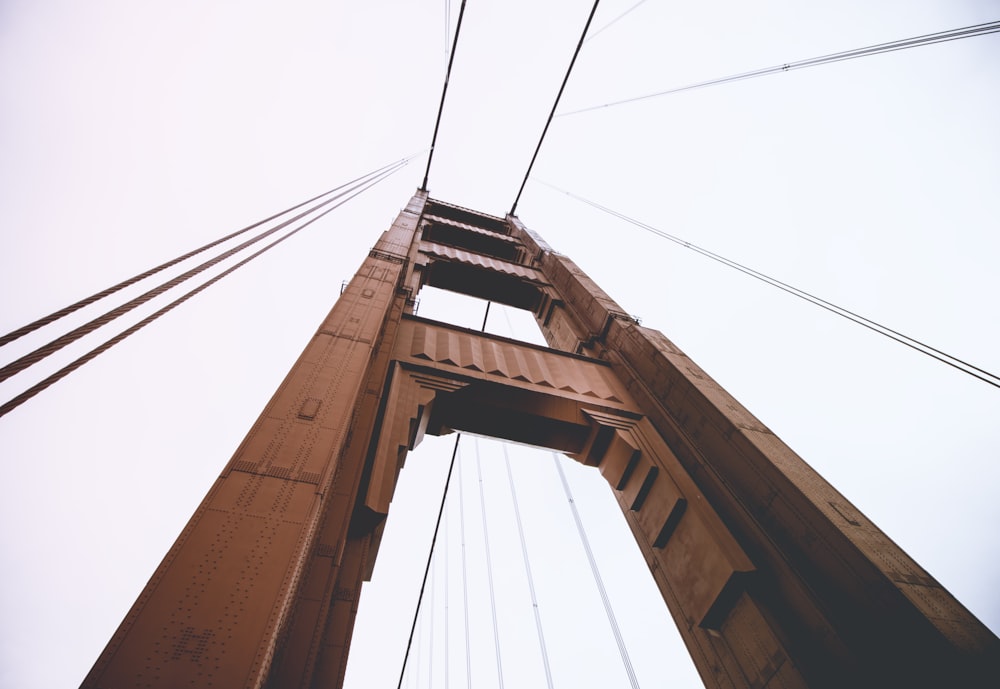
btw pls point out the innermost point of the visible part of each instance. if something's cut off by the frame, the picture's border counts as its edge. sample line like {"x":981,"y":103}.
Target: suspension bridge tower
{"x":773,"y":578}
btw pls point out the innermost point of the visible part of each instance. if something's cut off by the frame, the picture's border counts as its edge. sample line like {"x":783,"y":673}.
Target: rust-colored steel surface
{"x":773,"y":578}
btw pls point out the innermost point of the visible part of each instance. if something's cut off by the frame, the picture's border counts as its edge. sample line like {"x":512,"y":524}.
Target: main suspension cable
{"x":55,"y":345}
{"x":444,"y":92}
{"x":626,"y":661}
{"x":911,"y":342}
{"x":902,"y":44}
{"x":569,"y":70}
{"x":65,"y":311}
{"x":97,"y":351}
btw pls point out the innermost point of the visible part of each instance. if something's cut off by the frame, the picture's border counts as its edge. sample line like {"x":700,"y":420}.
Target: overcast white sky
{"x":131,"y":132}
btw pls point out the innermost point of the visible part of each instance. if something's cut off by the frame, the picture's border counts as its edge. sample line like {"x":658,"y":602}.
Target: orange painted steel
{"x":773,"y":578}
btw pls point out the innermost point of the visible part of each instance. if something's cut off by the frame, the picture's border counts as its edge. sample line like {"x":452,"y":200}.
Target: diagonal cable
{"x":97,"y":351}
{"x":913,"y":343}
{"x":65,"y":311}
{"x":55,"y":345}
{"x":612,"y":22}
{"x":569,"y":70}
{"x":902,"y":44}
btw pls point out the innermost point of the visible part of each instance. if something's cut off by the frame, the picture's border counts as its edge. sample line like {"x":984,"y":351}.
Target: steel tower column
{"x":773,"y":578}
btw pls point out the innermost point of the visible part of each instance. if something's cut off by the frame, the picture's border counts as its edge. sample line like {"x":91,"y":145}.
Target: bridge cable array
{"x":902,"y":44}
{"x":72,"y":308}
{"x":55,"y":345}
{"x":430,"y":569}
{"x":562,"y":87}
{"x":444,"y":92}
{"x":911,"y":342}
{"x":37,"y":355}
{"x":424,"y":616}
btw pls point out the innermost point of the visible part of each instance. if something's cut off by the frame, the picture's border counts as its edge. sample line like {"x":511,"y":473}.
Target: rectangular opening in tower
{"x":467,"y":311}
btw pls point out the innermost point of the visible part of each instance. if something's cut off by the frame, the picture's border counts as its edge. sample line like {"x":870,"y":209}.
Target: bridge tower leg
{"x":773,"y":578}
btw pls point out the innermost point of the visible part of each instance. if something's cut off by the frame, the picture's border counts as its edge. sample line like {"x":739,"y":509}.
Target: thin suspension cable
{"x":569,"y":70}
{"x":97,"y":351}
{"x":430,"y":639}
{"x":447,"y":599}
{"x":447,"y":28}
{"x":913,"y":343}
{"x":65,"y":311}
{"x":55,"y":345}
{"x":626,"y":661}
{"x":524,"y":543}
{"x":444,"y":92}
{"x":465,"y":579}
{"x":489,"y":565}
{"x":527,"y":570}
{"x":892,"y":46}
{"x":613,"y":21}
{"x":415,"y":675}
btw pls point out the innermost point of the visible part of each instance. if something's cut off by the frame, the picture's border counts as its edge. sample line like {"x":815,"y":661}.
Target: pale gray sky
{"x":131,"y":132}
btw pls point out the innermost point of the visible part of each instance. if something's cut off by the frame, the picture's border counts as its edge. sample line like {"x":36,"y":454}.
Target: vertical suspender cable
{"x":465,"y":578}
{"x":597,"y":575}
{"x":447,"y":29}
{"x":489,"y":565}
{"x":527,"y":570}
{"x":447,"y":598}
{"x":430,"y":638}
